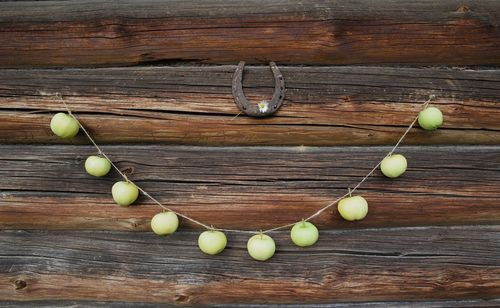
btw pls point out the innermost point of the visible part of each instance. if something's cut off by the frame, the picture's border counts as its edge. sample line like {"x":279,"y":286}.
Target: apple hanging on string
{"x":304,"y":234}
{"x":353,"y":208}
{"x":165,"y":223}
{"x":97,"y":166}
{"x":430,"y":118}
{"x":124,"y":193}
{"x":212,"y":242}
{"x":261,"y":247}
{"x":64,"y":125}
{"x":393,"y":166}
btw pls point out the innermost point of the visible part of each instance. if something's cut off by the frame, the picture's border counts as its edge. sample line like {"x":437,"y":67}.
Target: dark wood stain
{"x":123,"y":266}
{"x":245,"y":187}
{"x":193,"y":105}
{"x":151,"y":80}
{"x":83,"y":33}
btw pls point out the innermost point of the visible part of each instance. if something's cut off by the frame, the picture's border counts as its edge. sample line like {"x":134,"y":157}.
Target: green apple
{"x":261,"y":247}
{"x":393,"y":166}
{"x":430,"y":118}
{"x":212,"y":242}
{"x":304,"y":234}
{"x":64,"y":125}
{"x":97,"y":166}
{"x":165,"y":223}
{"x":353,"y":208}
{"x":124,"y":193}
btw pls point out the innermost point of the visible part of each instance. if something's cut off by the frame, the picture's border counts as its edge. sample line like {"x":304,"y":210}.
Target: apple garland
{"x":260,"y":246}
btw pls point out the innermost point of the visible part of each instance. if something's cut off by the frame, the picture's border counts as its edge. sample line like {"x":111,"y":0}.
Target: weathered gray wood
{"x":357,"y":265}
{"x":247,"y":187}
{"x":413,"y":304}
{"x":194,"y":105}
{"x":105,"y":32}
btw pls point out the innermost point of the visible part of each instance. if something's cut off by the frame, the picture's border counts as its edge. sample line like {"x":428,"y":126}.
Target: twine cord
{"x":197,"y":222}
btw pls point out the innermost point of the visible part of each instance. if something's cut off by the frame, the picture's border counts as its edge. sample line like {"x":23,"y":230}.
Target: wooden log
{"x":394,"y":304}
{"x":358,"y":265}
{"x":194,"y":105}
{"x":46,"y":187}
{"x":104,"y":32}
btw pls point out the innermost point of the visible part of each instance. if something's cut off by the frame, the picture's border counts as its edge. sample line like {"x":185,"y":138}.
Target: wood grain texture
{"x":193,"y":105}
{"x":431,"y":238}
{"x":378,"y":304}
{"x":363,"y":265}
{"x":46,"y":187}
{"x":104,"y":32}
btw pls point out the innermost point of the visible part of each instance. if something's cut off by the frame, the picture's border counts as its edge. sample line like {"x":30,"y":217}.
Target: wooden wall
{"x":151,"y":80}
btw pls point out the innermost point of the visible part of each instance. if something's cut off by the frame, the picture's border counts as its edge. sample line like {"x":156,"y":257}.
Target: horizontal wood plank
{"x":358,"y":265}
{"x":105,"y":32}
{"x":378,"y":304}
{"x":194,"y":105}
{"x":46,"y":187}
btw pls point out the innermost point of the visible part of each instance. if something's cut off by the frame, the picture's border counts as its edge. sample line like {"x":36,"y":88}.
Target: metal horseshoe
{"x":263,"y":108}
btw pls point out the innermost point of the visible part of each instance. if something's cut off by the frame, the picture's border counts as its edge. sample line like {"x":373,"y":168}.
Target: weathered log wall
{"x":194,"y":105}
{"x":90,"y":33}
{"x":244,"y":187}
{"x":431,"y":238}
{"x":371,"y":265}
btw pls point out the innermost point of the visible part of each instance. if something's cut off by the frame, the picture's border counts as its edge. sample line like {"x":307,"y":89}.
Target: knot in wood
{"x":181,"y":298}
{"x":20,"y":284}
{"x":129,"y":170}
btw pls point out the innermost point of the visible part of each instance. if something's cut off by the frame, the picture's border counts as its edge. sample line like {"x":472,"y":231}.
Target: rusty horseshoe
{"x":263,"y":108}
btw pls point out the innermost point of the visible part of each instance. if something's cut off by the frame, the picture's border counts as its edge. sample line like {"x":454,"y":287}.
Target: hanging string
{"x":197,"y":222}
{"x":350,"y":191}
{"x":100,"y":152}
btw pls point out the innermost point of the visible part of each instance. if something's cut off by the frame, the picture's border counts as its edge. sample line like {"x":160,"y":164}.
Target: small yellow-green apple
{"x":165,"y":223}
{"x":304,"y":234}
{"x":261,"y":247}
{"x":124,"y":193}
{"x":97,"y":166}
{"x":64,"y":125}
{"x":212,"y":242}
{"x":353,"y":208}
{"x":394,"y":165}
{"x":430,"y":118}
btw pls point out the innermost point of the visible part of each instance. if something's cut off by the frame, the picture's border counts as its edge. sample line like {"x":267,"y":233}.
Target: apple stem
{"x":350,"y":192}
